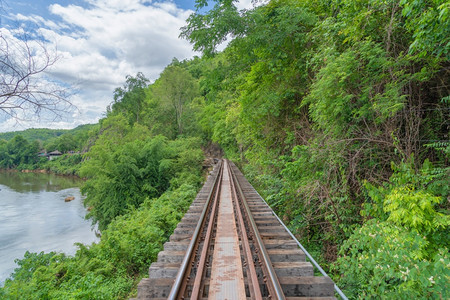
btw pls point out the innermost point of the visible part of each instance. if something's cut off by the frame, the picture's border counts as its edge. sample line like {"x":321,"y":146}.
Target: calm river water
{"x":34,"y":217}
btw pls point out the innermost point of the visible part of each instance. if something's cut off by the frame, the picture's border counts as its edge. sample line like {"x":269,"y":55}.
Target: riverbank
{"x":54,"y":171}
{"x":41,"y":171}
{"x":63,"y":165}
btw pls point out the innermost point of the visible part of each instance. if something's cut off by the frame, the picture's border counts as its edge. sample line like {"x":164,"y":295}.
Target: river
{"x":35,"y":217}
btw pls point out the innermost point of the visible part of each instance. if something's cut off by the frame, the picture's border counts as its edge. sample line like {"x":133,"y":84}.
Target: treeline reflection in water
{"x":37,"y":182}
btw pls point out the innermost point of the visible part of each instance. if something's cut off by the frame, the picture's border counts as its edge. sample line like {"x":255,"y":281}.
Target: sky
{"x":99,"y":43}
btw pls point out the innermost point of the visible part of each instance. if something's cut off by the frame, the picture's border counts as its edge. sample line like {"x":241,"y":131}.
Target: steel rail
{"x":176,"y":287}
{"x":274,"y":283}
{"x":336,"y":288}
{"x":203,"y":256}
{"x":255,"y":288}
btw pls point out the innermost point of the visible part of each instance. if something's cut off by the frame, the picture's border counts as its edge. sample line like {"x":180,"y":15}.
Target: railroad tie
{"x":177,"y":275}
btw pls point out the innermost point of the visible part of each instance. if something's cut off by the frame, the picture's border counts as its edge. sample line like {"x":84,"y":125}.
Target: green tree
{"x":125,"y":166}
{"x":129,"y":99}
{"x":208,"y":30}
{"x":176,"y":89}
{"x":18,"y":153}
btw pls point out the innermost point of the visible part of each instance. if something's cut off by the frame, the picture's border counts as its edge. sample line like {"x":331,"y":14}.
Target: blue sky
{"x":40,"y":7}
{"x":99,"y":42}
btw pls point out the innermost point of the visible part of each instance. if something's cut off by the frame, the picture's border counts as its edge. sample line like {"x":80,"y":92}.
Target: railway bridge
{"x":231,"y":245}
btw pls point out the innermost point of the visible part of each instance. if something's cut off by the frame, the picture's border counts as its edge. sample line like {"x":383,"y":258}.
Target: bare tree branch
{"x":25,"y":90}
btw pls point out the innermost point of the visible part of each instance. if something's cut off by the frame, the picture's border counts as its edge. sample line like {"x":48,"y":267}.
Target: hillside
{"x":43,"y":134}
{"x":32,"y":134}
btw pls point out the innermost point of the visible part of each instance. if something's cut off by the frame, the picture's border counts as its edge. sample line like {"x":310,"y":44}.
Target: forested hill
{"x":33,"y":134}
{"x":42,"y":134}
{"x":337,"y":111}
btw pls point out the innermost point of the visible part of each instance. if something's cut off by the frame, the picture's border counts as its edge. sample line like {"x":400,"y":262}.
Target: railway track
{"x":229,"y":245}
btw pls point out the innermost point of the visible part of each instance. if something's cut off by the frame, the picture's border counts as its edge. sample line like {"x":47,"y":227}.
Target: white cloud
{"x":38,"y":20}
{"x":104,"y":41}
{"x":245,"y":4}
{"x":117,"y":38}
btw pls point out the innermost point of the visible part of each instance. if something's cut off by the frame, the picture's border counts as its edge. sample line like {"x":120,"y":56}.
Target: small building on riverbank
{"x":54,"y":154}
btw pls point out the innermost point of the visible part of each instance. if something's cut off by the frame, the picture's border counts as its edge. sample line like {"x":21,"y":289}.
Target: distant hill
{"x":43,"y":134}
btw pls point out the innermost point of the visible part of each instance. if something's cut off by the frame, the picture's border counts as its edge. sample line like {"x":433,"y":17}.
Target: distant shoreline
{"x":40,"y":171}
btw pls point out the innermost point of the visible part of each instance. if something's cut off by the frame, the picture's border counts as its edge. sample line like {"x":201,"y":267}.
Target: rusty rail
{"x":273,"y":284}
{"x":255,"y":289}
{"x":313,"y":261}
{"x":180,"y":280}
{"x":203,"y":257}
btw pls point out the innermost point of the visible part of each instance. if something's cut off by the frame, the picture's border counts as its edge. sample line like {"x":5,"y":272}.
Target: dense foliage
{"x":338,"y":112}
{"x":18,"y":152}
{"x":125,"y":167}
